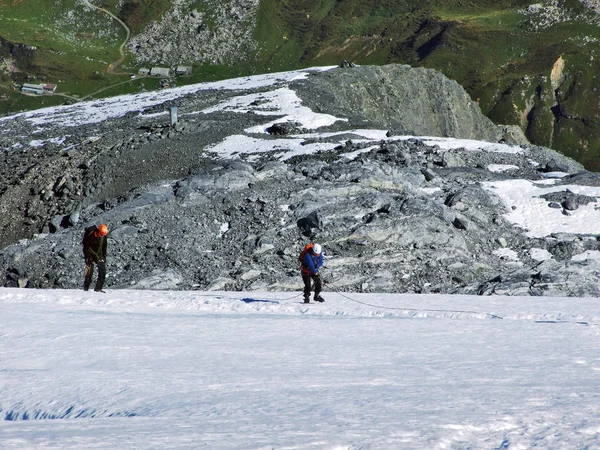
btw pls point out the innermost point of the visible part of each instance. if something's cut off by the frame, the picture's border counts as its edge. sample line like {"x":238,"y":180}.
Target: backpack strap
{"x":301,"y":262}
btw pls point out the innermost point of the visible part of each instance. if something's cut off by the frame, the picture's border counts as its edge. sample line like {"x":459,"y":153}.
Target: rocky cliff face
{"x":404,"y":99}
{"x":220,"y":33}
{"x":217,"y":202}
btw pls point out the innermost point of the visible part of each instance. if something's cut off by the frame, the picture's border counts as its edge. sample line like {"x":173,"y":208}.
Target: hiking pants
{"x":89,"y":273}
{"x":308,"y":278}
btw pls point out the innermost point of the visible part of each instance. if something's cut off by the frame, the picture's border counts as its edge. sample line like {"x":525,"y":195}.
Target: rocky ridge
{"x":219,"y":34}
{"x":395,"y":213}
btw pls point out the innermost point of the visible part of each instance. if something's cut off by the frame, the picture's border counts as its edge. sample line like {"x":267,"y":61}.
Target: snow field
{"x":229,"y":370}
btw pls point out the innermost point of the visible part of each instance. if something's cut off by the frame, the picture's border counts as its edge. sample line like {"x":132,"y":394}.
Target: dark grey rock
{"x":568,"y":200}
{"x":398,"y":96}
{"x":284,"y":128}
{"x":392,"y":216}
{"x":473,"y":195}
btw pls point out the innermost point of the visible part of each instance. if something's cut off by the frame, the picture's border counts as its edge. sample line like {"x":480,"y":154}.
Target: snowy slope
{"x":160,"y":370}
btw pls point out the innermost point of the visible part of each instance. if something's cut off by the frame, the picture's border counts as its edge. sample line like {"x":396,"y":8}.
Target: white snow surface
{"x":531,"y":212}
{"x":99,"y":110}
{"x":233,"y":370}
{"x":540,"y":254}
{"x":275,"y":103}
{"x":507,"y":254}
{"x":499,"y":168}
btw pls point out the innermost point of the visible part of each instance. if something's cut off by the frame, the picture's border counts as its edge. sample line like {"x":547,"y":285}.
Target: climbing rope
{"x":291,"y":298}
{"x":493,"y":316}
{"x":288,"y":298}
{"x":220,"y":295}
{"x":396,"y":308}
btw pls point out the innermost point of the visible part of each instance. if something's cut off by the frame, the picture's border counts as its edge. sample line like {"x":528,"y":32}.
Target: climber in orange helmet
{"x":94,"y":252}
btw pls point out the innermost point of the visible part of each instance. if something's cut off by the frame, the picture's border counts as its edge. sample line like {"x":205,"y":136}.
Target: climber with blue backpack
{"x":311,"y":260}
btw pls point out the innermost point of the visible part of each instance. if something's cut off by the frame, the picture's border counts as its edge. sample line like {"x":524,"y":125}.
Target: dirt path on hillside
{"x":113,"y":66}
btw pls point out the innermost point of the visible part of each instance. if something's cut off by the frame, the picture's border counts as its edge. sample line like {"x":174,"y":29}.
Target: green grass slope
{"x":71,"y":46}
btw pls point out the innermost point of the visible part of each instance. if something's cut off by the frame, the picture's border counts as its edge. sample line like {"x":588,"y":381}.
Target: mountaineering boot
{"x":318,"y":298}
{"x":306,"y":299}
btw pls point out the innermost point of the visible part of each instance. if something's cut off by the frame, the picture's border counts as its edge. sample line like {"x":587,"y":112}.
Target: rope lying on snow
{"x":493,"y":316}
{"x":457,"y":311}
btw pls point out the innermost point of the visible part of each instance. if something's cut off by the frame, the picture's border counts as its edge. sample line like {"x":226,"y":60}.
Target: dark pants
{"x":308,"y":278}
{"x":89,"y":273}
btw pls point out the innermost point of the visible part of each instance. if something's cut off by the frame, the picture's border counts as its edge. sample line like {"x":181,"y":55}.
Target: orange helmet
{"x":103,"y":230}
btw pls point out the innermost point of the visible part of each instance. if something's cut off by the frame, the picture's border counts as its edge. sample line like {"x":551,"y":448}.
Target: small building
{"x":49,"y":88}
{"x":160,"y":72}
{"x":183,"y":70}
{"x":144,"y":72}
{"x":37,"y":89}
